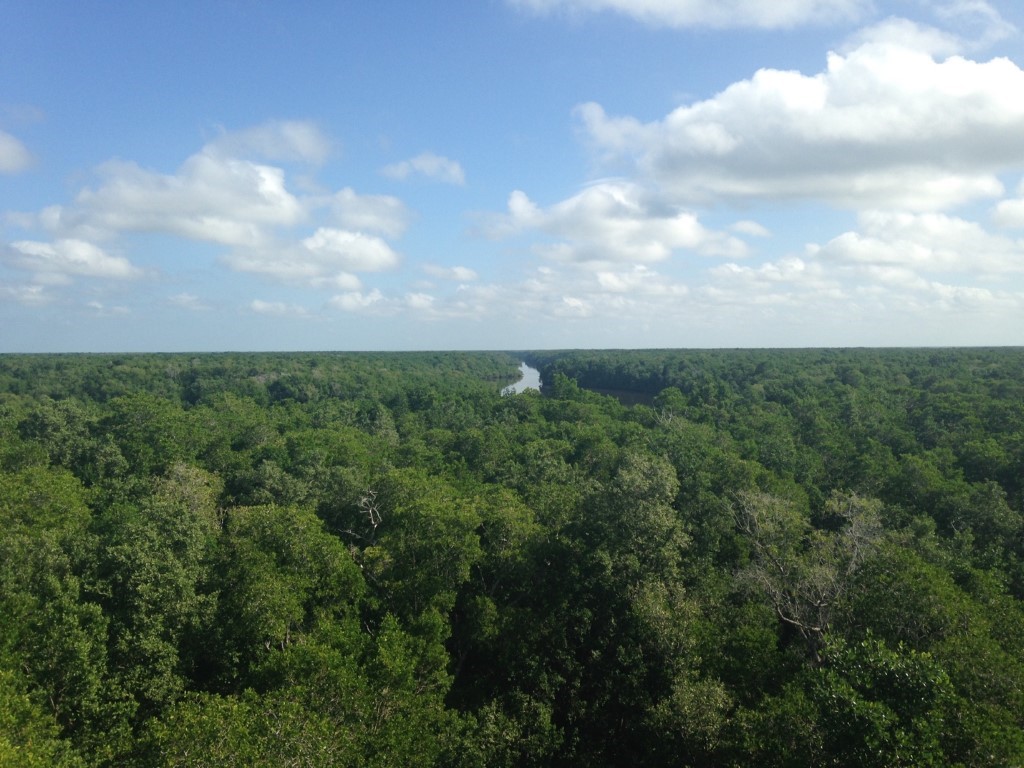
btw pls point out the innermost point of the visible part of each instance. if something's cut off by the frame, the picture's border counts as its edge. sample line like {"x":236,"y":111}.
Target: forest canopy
{"x":668,"y":557}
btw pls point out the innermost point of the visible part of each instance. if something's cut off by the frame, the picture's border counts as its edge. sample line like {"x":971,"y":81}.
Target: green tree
{"x":804,"y":572}
{"x":865,"y":705}
{"x":277,"y":571}
{"x":29,"y":738}
{"x":51,"y":628}
{"x":424,"y":543}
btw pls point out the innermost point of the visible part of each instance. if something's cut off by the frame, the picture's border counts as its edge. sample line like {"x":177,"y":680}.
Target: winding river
{"x":529,"y":379}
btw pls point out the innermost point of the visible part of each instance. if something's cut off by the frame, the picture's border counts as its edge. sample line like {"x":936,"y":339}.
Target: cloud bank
{"x":900,"y":130}
{"x":882,"y":189}
{"x":882,"y":125}
{"x":227,"y":194}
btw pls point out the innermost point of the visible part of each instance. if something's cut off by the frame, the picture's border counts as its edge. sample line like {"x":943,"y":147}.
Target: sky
{"x":216,"y":175}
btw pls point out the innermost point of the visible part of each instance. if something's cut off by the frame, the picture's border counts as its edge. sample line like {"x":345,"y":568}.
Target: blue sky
{"x":510,"y":174}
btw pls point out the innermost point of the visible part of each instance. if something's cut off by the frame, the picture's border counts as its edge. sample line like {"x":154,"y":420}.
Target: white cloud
{"x":187,"y":301}
{"x":468,"y":301}
{"x":211,"y":198}
{"x":419,"y":301}
{"x":436,"y":167}
{"x":61,"y":259}
{"x":751,"y":228}
{"x":354,"y":301}
{"x":711,"y":13}
{"x":1010,"y":212}
{"x":34,"y":295}
{"x":221,"y":195}
{"x":371,"y":213}
{"x":103,"y":310}
{"x":789,"y":270}
{"x":880,"y":279}
{"x":976,"y":23}
{"x":459,"y":274}
{"x":277,"y":140}
{"x":621,"y":299}
{"x":350,"y":251}
{"x":276,"y":308}
{"x":973,"y":299}
{"x":925,"y":243}
{"x":640,"y":281}
{"x":885,"y":125}
{"x":615,"y":222}
{"x":976,"y":17}
{"x":573,"y":306}
{"x":14,"y":157}
{"x":340,"y":281}
{"x":327,"y":258}
{"x":802,"y":290}
{"x":906,"y":34}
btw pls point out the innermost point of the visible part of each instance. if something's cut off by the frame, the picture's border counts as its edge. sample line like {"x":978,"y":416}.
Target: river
{"x":529,"y":379}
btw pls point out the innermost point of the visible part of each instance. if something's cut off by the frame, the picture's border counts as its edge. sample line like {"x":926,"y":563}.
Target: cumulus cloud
{"x":640,"y":281}
{"x":419,"y":301}
{"x":973,"y":299}
{"x":277,"y":140}
{"x":895,"y":271}
{"x":615,"y":222}
{"x":339,"y":281}
{"x":211,"y":198}
{"x":1010,"y":212}
{"x":221,"y":194}
{"x":436,"y":167}
{"x":355,"y":301}
{"x":187,"y":301}
{"x":624,"y":298}
{"x":32,"y":295}
{"x":573,"y":306}
{"x":383,"y":214}
{"x":751,"y":228}
{"x":901,"y":126}
{"x":907,"y":34}
{"x":884,"y":125}
{"x":327,"y":258}
{"x":276,"y":308}
{"x":789,"y":271}
{"x":924,"y":243}
{"x":976,"y":23}
{"x":102,"y":310}
{"x":14,"y":157}
{"x":62,"y":259}
{"x":459,"y":274}
{"x":224,"y":196}
{"x":350,"y":251}
{"x":711,"y":13}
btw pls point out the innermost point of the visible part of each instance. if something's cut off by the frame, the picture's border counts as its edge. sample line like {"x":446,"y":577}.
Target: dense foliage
{"x":778,"y":558}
